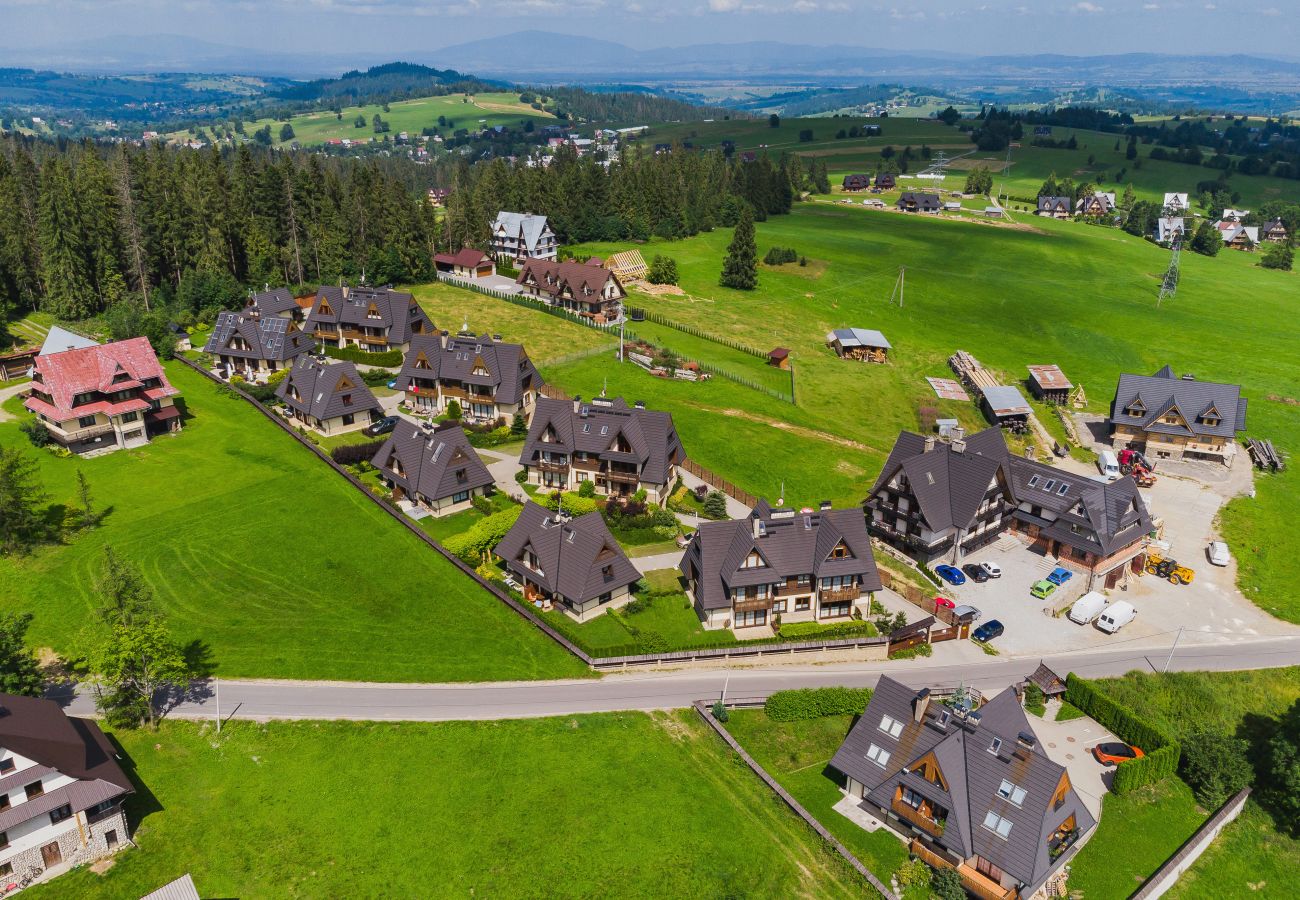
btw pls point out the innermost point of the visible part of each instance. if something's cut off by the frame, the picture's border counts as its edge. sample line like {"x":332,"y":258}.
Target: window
{"x":1012,"y":792}
{"x":349,"y":419}
{"x":778,"y":606}
{"x":891,"y":726}
{"x":1033,"y":482}
{"x":998,"y":825}
{"x":912,"y":798}
{"x":1063,"y":490}
{"x":802,"y":604}
{"x":1051,"y":483}
{"x":130,"y":417}
{"x":58,"y":815}
{"x":4,"y":801}
{"x":878,"y":755}
{"x":996,"y":746}
{"x":7,"y":765}
{"x":752,"y":617}
{"x":34,"y":790}
{"x":85,"y":421}
{"x":460,"y":498}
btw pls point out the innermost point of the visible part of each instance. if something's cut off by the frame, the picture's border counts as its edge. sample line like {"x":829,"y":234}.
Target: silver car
{"x":1218,"y":553}
{"x":964,"y":612}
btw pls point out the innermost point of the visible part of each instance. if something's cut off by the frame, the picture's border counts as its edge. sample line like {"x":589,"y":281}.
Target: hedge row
{"x":388,"y":359}
{"x":813,"y":703}
{"x":351,"y":454}
{"x":806,"y":631}
{"x":1162,"y":751}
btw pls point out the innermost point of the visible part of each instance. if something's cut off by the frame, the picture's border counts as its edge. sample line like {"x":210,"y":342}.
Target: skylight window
{"x":1063,"y":490}
{"x":604,"y":429}
{"x":1033,"y":482}
{"x":891,"y":726}
{"x":998,"y":825}
{"x":878,"y":755}
{"x":996,"y":746}
{"x":586,"y":428}
{"x":1012,"y":792}
{"x":1051,"y":483}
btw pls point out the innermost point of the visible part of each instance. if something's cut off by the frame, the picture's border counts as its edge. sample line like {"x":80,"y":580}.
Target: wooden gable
{"x":344,"y":384}
{"x":928,"y":768}
{"x":840,"y":551}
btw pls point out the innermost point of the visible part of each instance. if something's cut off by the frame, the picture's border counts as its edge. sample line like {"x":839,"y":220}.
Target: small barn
{"x":779,"y":357}
{"x":1048,"y":383}
{"x":1051,"y":684}
{"x":466,"y":263}
{"x":16,"y":363}
{"x":864,"y":344}
{"x":1005,"y":406}
{"x":628,"y":265}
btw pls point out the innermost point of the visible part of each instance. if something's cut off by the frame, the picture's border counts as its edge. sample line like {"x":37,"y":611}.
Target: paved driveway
{"x":1067,"y":744}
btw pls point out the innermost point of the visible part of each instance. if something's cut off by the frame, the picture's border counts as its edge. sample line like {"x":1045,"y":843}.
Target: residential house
{"x":253,"y":346}
{"x":573,"y":564}
{"x":1095,"y":204}
{"x":1042,"y":131}
{"x":1048,"y":383}
{"x":103,"y":397}
{"x":1176,"y":205}
{"x":627,"y":265}
{"x":801,"y":566}
{"x":885,"y":181}
{"x":17,"y":363}
{"x":1238,"y":236}
{"x":913,"y":201}
{"x":370,"y":319}
{"x":1167,"y":417}
{"x":854,"y":183}
{"x":520,"y":236}
{"x":586,"y":288}
{"x":58,"y":339}
{"x":972,"y":789}
{"x":61,"y":791}
{"x":1273,"y":231}
{"x":620,"y":449}
{"x":180,"y":337}
{"x":1055,"y":207}
{"x":943,"y":500}
{"x":1234,"y":215}
{"x":438,"y":196}
{"x":1170,"y":229}
{"x":278,"y":302}
{"x":489,"y":379}
{"x":329,"y":398}
{"x":864,"y":344}
{"x":433,"y":470}
{"x":466,"y":263}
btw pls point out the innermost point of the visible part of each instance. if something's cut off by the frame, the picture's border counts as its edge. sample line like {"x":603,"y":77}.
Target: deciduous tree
{"x":19,"y":671}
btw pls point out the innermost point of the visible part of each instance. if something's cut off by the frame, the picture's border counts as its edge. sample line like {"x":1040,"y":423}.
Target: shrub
{"x":913,"y":874}
{"x":1034,"y":699}
{"x":1215,"y":766}
{"x":587,"y":489}
{"x":807,"y":631}
{"x":778,"y":255}
{"x":518,"y":426}
{"x":36,"y":432}
{"x":351,"y":454}
{"x":720,"y":711}
{"x":814,"y":703}
{"x":376,"y":377}
{"x":521,"y":476}
{"x":481,"y":503}
{"x":662,"y":270}
{"x":946,"y":885}
{"x":454,"y":411}
{"x":715,"y":505}
{"x":483,"y":536}
{"x":920,"y":650}
{"x":389,"y":358}
{"x":570,"y":503}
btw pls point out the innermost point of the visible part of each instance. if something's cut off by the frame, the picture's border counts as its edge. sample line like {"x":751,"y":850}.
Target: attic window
{"x":1012,"y":792}
{"x":878,"y":755}
{"x":586,"y":428}
{"x":1062,"y":490}
{"x":996,"y":746}
{"x":929,"y":478}
{"x":1051,"y":483}
{"x":891,"y":726}
{"x":604,"y":429}
{"x":1033,"y":482}
{"x":998,"y":825}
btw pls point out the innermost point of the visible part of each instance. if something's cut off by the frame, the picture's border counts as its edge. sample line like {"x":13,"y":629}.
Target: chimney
{"x":958,"y":445}
{"x":920,"y":703}
{"x":929,"y":443}
{"x":824,"y":506}
{"x":577,"y":402}
{"x":759,"y":529}
{"x":345,"y":292}
{"x":957,"y":433}
{"x":1025,"y":742}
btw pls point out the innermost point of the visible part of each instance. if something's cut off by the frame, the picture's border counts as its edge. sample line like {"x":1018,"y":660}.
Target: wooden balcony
{"x":841,"y":594}
{"x":550,"y":465}
{"x":741,"y":605}
{"x":982,"y":886}
{"x":624,"y":477}
{"x":922,"y":818}
{"x":81,"y":434}
{"x":454,"y":393}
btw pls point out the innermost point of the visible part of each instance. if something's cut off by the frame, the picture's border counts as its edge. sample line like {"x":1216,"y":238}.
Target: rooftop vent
{"x":640,"y":404}
{"x":1187,"y":376}
{"x":824,"y":506}
{"x":1026,"y":739}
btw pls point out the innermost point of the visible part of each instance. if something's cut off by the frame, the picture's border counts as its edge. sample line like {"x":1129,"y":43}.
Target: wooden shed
{"x":16,"y":363}
{"x":779,"y":357}
{"x":1048,"y":383}
{"x":1005,"y":406}
{"x":865,"y":344}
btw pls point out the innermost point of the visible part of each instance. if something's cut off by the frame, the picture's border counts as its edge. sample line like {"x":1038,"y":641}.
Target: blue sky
{"x":388,"y":27}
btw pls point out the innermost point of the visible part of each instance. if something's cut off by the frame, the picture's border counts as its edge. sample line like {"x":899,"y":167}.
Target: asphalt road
{"x":262,"y":700}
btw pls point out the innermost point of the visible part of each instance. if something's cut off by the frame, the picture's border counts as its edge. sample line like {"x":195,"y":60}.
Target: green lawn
{"x":627,"y":805}
{"x":796,"y":755}
{"x":668,"y":623}
{"x":255,"y":548}
{"x":1249,"y":858}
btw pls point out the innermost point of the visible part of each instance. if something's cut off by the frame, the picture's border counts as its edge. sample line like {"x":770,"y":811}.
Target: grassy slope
{"x":404,"y":115}
{"x":628,"y":805}
{"x":252,"y":546}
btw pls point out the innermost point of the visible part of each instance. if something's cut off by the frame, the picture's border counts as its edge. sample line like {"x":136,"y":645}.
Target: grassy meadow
{"x":628,"y":805}
{"x":253,"y":547}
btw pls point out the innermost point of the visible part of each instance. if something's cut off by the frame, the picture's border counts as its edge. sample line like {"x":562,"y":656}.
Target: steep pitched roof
{"x":1164,"y":391}
{"x":394,"y":311}
{"x":963,"y":748}
{"x":949,"y":485}
{"x":526,"y":226}
{"x":98,"y":368}
{"x":579,"y":558}
{"x":272,"y":302}
{"x":1114,"y":513}
{"x":266,"y":336}
{"x":582,"y":280}
{"x":1053,"y":204}
{"x":595,"y":426}
{"x":59,"y":339}
{"x":325,"y":390}
{"x":438,"y":464}
{"x":466,"y":257}
{"x":789,"y":544}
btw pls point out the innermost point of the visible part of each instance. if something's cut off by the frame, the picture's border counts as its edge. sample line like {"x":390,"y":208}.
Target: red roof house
{"x":103,"y":397}
{"x":466,"y":263}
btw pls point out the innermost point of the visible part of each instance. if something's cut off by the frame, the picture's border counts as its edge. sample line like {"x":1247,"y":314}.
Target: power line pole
{"x":1177,"y":637}
{"x":1170,"y":284}
{"x":216,"y":684}
{"x":899,"y":286}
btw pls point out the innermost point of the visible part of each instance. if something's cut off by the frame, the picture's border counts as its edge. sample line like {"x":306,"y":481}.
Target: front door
{"x":52,"y":855}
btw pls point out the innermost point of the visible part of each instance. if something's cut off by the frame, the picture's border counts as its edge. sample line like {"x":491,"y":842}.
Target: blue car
{"x":950,"y":574}
{"x":988,"y":631}
{"x":1060,"y":576}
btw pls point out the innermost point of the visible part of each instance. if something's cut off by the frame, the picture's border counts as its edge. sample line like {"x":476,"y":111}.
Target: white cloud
{"x":1085,"y":7}
{"x":804,"y":6}
{"x":1151,"y":6}
{"x":724,"y":5}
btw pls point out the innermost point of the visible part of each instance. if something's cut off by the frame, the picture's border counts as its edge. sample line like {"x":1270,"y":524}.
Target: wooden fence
{"x":702,"y":708}
{"x":1168,"y":874}
{"x":919,"y":598}
{"x":722,"y":484}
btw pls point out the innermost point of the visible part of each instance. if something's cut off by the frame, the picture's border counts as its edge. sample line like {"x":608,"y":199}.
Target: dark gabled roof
{"x":272,"y":302}
{"x":582,"y":279}
{"x":466,"y":257}
{"x":436,"y":464}
{"x":921,"y":199}
{"x":593,"y":427}
{"x":949,"y":485}
{"x":579,"y":557}
{"x":1114,"y":512}
{"x":1048,"y":681}
{"x":857,"y":181}
{"x":466,"y":358}
{"x":885,"y":179}
{"x":789,"y":542}
{"x":397,"y":310}
{"x":322,"y":390}
{"x":1164,"y":392}
{"x":1054,"y":204}
{"x":266,"y":337}
{"x":973,"y":773}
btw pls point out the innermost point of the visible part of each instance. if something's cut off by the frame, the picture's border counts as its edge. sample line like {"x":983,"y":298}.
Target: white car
{"x":1218,"y":553}
{"x":991,"y":569}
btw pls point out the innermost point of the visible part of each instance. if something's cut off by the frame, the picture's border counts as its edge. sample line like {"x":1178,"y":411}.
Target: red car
{"x":944,"y":602}
{"x":1114,"y":753}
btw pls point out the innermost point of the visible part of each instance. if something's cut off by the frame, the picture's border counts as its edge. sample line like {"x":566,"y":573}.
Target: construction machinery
{"x":1168,"y":569}
{"x":1134,"y":463}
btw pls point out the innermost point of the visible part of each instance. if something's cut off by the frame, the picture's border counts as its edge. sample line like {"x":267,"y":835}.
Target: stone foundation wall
{"x":70,"y":845}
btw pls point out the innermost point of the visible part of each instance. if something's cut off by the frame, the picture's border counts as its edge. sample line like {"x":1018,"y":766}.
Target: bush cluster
{"x":1162,"y":751}
{"x":483,"y":536}
{"x":779,"y":255}
{"x":808,"y":631}
{"x":389,"y":358}
{"x":352,"y":454}
{"x":813,"y":703}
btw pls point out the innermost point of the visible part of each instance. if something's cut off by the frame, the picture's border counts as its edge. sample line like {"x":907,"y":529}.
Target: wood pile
{"x":1264,"y":455}
{"x":971,"y":371}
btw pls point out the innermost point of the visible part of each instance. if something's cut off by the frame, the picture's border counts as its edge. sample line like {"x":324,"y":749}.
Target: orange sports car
{"x":1114,"y":753}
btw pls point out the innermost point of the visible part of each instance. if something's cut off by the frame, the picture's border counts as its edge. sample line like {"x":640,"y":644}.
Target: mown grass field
{"x":626,"y":805}
{"x":255,"y":548}
{"x":410,"y":116}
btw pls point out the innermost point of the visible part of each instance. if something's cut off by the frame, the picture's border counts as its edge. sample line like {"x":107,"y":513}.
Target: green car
{"x":1042,"y":589}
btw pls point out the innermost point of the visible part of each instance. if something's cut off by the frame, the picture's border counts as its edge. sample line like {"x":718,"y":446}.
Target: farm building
{"x":628,"y":265}
{"x":1049,"y":383}
{"x":1005,"y":406}
{"x":864,"y":344}
{"x":17,"y":363}
{"x":1273,"y":231}
{"x":466,"y":263}
{"x":779,"y":357}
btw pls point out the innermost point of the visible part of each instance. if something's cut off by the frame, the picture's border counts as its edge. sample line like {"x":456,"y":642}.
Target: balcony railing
{"x":749,"y":605}
{"x":625,"y":477}
{"x":81,"y":434}
{"x":841,"y":594}
{"x":982,"y":886}
{"x":550,"y":465}
{"x":919,"y":817}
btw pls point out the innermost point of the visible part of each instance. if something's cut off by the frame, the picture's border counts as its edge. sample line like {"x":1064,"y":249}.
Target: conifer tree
{"x":740,"y":267}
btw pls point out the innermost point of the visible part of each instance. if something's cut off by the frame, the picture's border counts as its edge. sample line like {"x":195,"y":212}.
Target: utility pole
{"x":216,"y":684}
{"x":726,"y":682}
{"x":1177,"y":637}
{"x":899,"y":286}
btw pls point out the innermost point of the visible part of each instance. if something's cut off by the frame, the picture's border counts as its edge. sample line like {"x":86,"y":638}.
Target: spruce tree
{"x":65,"y":270}
{"x":740,"y":267}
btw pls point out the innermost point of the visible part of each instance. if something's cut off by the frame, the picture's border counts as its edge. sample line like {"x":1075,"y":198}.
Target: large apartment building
{"x":61,"y":791}
{"x":586,"y":288}
{"x":1168,"y":417}
{"x":801,"y":566}
{"x":103,"y":396}
{"x":371,"y":319}
{"x":619,"y":448}
{"x":488,"y":378}
{"x":941,"y":500}
{"x":520,"y":236}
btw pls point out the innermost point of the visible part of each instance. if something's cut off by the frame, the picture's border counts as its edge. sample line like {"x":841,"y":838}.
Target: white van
{"x":1108,"y":465}
{"x":1116,"y":616}
{"x":1086,"y":608}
